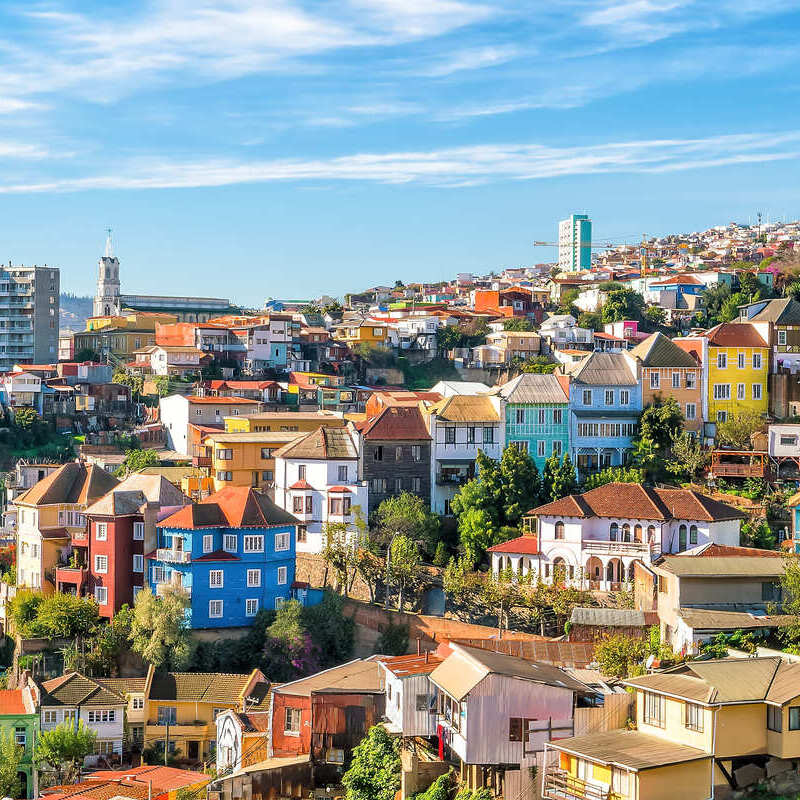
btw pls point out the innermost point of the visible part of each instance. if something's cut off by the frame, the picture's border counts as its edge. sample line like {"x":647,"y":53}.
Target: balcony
{"x":739,"y":464}
{"x":70,"y":576}
{"x":608,"y":548}
{"x":560,"y":785}
{"x":192,"y":730}
{"x":175,"y":556}
{"x":201,"y":461}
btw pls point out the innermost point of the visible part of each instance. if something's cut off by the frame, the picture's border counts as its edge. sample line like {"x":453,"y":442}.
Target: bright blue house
{"x":234,"y":552}
{"x":605,"y":403}
{"x":536,"y":413}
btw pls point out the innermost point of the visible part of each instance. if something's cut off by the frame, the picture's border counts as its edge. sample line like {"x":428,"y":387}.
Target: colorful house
{"x":285,"y":421}
{"x":364,"y":332}
{"x":19,"y":718}
{"x":233,"y":553}
{"x":536,"y":413}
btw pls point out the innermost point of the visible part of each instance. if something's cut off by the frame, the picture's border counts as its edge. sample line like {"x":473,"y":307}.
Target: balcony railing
{"x":638,"y":548}
{"x":177,"y":556}
{"x":560,"y":785}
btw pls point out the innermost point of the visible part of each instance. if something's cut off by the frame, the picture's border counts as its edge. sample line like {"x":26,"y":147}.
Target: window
{"x":398,"y":487}
{"x":488,"y":435}
{"x":694,"y":717}
{"x":676,"y":380}
{"x":267,"y":475}
{"x":342,"y":474}
{"x":253,"y":577}
{"x":230,"y":544}
{"x":541,"y":448}
{"x":137,"y":703}
{"x":225,"y":453}
{"x":722,"y":391}
{"x":168,"y":715}
{"x":655,"y":380}
{"x":377,"y":332}
{"x":291,"y":725}
{"x":757,"y":365}
{"x":559,"y":530}
{"x":20,"y":736}
{"x":297,"y":504}
{"x":282,"y":575}
{"x":106,"y":715}
{"x":558,"y":416}
{"x":50,"y":717}
{"x":377,"y":454}
{"x":340,"y":506}
{"x":416,"y":452}
{"x":138,"y":562}
{"x":471,"y":435}
{"x":740,"y":360}
{"x":208,"y":543}
{"x":756,"y":391}
{"x":224,"y":475}
{"x":794,"y":718}
{"x":253,"y":544}
{"x":158,"y":574}
{"x":515,"y":729}
{"x":280,"y":602}
{"x":788,"y":441}
{"x":771,"y":592}
{"x":519,"y":415}
{"x":423,"y":703}
{"x":302,"y":533}
{"x":624,"y":397}
{"x":740,"y":391}
{"x":722,"y":360}
{"x":251,"y":606}
{"x":781,"y":338}
{"x":774,"y":718}
{"x":266,"y":452}
{"x":609,"y":397}
{"x":215,"y":609}
{"x":557,"y":447}
{"x":282,"y":542}
{"x":691,"y":411}
{"x":691,"y":380}
{"x":540,"y":416}
{"x":101,"y":531}
{"x":450,"y":435}
{"x":619,"y":782}
{"x":301,"y":472}
{"x":416,"y":485}
{"x":693,"y":534}
{"x":722,"y":416}
{"x":138,"y":531}
{"x":216,"y":579}
{"x":654,"y":709}
{"x":587,"y":397}
{"x":101,"y":564}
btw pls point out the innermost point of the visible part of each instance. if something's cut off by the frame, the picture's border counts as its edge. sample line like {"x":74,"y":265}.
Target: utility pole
{"x":388,"y":568}
{"x":166,"y":743}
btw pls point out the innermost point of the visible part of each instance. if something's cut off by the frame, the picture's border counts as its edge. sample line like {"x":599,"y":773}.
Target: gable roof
{"x":526,"y":545}
{"x":632,"y":501}
{"x":660,"y":351}
{"x":734,"y":334}
{"x":136,"y":491}
{"x":206,"y":687}
{"x":465,"y":408}
{"x":359,"y":675}
{"x":529,"y":388}
{"x":684,"y":280}
{"x":784,"y":311}
{"x":74,"y":689}
{"x":232,"y":507}
{"x":322,"y":444}
{"x":396,"y":423}
{"x":602,"y":369}
{"x":73,"y":483}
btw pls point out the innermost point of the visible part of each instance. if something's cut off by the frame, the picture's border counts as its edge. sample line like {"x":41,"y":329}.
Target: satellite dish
{"x":650,"y":660}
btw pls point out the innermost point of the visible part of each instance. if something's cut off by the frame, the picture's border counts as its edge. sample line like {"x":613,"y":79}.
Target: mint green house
{"x":19,"y":718}
{"x":536,"y":415}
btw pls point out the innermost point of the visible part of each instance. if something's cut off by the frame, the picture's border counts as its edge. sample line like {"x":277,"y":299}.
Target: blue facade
{"x":244,"y":569}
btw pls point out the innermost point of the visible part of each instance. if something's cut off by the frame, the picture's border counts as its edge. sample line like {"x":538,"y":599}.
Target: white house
{"x":593,"y":539}
{"x":72,"y":698}
{"x":564,"y":333}
{"x":173,"y":359}
{"x":460,"y":426}
{"x":410,"y":702}
{"x":21,"y":389}
{"x":316,"y":480}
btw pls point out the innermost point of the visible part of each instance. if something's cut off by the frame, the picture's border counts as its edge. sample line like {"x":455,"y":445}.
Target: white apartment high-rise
{"x":29,"y":305}
{"x":575,"y":243}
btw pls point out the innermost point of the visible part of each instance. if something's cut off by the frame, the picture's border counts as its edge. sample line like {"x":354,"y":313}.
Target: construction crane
{"x":644,"y":249}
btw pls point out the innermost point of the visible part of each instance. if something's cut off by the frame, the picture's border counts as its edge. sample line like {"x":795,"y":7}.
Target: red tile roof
{"x":340,"y":490}
{"x":685,"y":280}
{"x":11,"y":702}
{"x":735,"y":334}
{"x":396,"y":423}
{"x":632,"y":501}
{"x":729,"y":550}
{"x":526,"y":545}
{"x":212,"y":401}
{"x":302,"y":484}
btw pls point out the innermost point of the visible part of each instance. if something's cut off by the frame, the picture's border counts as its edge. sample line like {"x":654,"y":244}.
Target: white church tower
{"x":106,"y":301}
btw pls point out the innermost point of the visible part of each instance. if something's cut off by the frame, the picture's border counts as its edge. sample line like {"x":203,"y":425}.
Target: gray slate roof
{"x":530,"y":389}
{"x":659,"y":351}
{"x":785,"y":311}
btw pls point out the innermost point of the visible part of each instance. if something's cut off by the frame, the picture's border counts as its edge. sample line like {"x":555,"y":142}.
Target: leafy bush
{"x":393,"y":640}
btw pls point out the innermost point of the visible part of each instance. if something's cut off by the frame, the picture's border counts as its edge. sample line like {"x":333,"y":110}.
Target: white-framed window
{"x":101,"y":531}
{"x":101,"y":595}
{"x":224,"y":475}
{"x":251,"y":606}
{"x":781,"y":338}
{"x":101,"y":564}
{"x":740,"y":391}
{"x":138,"y":531}
{"x":50,"y":717}
{"x":519,"y":415}
{"x":587,"y":397}
{"x":676,"y":380}
{"x":291,"y":725}
{"x":280,"y":602}
{"x":282,"y":575}
{"x":541,"y":447}
{"x":224,"y":453}
{"x":540,"y":416}
{"x":208,"y":542}
{"x":722,"y":391}
{"x":691,"y":411}
{"x":138,"y":562}
{"x":215,"y":609}
{"x":722,"y":416}
{"x":558,"y":415}
{"x":230,"y":543}
{"x":691,"y":380}
{"x":624,"y":397}
{"x":756,"y":391}
{"x":21,"y":736}
{"x":557,"y":447}
{"x":216,"y":579}
{"x":756,"y":360}
{"x":342,"y":473}
{"x":282,"y":542}
{"x":655,"y":380}
{"x":741,"y":359}
{"x":722,"y":360}
{"x":253,"y":577}
{"x":253,"y":544}
{"x":101,"y":715}
{"x":609,"y":397}
{"x":137,"y":703}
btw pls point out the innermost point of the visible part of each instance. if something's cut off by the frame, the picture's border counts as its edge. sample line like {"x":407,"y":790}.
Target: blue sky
{"x":298,"y":147}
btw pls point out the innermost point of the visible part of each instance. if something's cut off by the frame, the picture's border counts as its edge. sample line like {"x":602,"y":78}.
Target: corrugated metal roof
{"x":530,"y":389}
{"x":723,"y":566}
{"x":659,"y":351}
{"x":466,"y":408}
{"x":608,"y":617}
{"x":603,"y":369}
{"x":712,"y":619}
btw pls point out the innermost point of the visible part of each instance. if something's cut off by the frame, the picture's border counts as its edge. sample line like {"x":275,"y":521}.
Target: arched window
{"x":626,"y":532}
{"x":637,"y":533}
{"x":613,"y":532}
{"x":559,"y":530}
{"x":682,"y":538}
{"x":651,"y":534}
{"x":693,"y":534}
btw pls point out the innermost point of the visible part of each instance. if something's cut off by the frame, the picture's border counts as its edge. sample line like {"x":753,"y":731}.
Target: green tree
{"x":477,"y":532}
{"x":62,"y":749}
{"x":339,"y":554}
{"x":592,"y":320}
{"x":655,"y":315}
{"x":108,"y":643}
{"x":622,"y":304}
{"x":613,"y":475}
{"x":566,"y":305}
{"x":448,"y":337}
{"x":162,"y":385}
{"x":687,"y":457}
{"x":441,"y":789}
{"x":659,"y":424}
{"x":730,"y":307}
{"x":393,"y":640}
{"x":757,"y":533}
{"x":159,"y":633}
{"x":56,"y":616}
{"x":25,"y":418}
{"x":289,"y":647}
{"x":135,"y":461}
{"x":517,"y":324}
{"x":404,"y":567}
{"x":521,"y":485}
{"x":87,"y":354}
{"x":11,"y":755}
{"x":559,"y":478}
{"x":713,"y":299}
{"x":374,"y":772}
{"x":737,"y":429}
{"x":134,"y":382}
{"x":408,"y":514}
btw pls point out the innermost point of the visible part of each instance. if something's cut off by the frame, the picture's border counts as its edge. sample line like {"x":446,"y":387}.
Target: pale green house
{"x":19,"y":718}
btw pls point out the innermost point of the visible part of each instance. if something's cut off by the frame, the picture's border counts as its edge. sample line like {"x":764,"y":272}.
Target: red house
{"x":121,"y":530}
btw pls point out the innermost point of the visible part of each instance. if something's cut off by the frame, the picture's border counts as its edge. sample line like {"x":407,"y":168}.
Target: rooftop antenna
{"x":109,"y":247}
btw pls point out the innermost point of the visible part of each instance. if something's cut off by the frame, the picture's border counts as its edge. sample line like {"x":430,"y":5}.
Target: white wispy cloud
{"x":457,"y":166}
{"x":470,"y":59}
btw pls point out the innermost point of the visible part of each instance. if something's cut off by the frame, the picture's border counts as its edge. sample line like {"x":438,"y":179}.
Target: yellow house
{"x":298,"y":421}
{"x":245,"y":459}
{"x":693,"y":722}
{"x":737,"y":363}
{"x":139,"y":320}
{"x":50,"y":516}
{"x":367,"y":332}
{"x":181,"y":707}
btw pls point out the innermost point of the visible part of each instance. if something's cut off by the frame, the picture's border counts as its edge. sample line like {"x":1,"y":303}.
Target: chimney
{"x":418,"y":646}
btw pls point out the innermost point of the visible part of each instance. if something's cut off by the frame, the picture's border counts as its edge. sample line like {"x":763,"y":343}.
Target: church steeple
{"x":106,"y":301}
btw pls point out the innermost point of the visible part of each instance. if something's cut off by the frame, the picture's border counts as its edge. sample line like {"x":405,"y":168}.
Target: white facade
{"x":564,"y":332}
{"x":318,"y":492}
{"x":21,"y":389}
{"x":410,"y":701}
{"x":229,"y":742}
{"x":784,"y":441}
{"x":169,"y":361}
{"x":108,"y":723}
{"x":574,"y":243}
{"x":414,"y":333}
{"x":106,"y":300}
